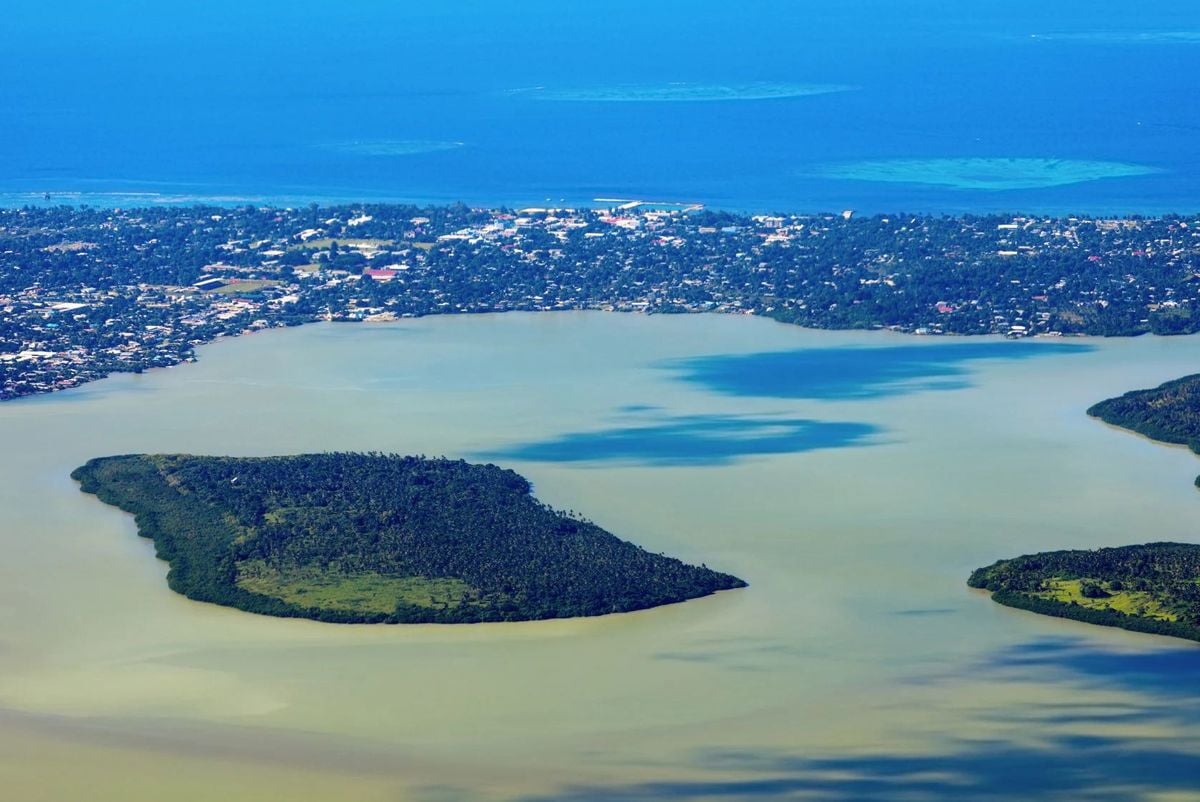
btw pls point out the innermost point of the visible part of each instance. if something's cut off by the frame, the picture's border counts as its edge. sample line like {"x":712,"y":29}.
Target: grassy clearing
{"x":1129,"y":602}
{"x":366,"y":592}
{"x":244,"y":287}
{"x":325,"y":243}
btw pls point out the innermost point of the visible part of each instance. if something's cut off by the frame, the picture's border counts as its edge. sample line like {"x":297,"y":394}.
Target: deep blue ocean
{"x":518,"y":103}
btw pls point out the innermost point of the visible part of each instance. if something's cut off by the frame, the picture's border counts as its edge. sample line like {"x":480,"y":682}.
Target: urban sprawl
{"x":87,"y":292}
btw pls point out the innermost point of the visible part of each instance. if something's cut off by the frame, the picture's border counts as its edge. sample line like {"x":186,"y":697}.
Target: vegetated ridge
{"x":372,"y":538}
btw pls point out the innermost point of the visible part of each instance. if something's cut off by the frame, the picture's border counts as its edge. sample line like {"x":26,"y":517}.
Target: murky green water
{"x":854,"y":488}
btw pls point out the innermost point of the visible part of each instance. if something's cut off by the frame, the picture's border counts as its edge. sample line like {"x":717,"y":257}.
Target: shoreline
{"x":95,"y":291}
{"x":229,"y":337}
{"x":183,"y":196}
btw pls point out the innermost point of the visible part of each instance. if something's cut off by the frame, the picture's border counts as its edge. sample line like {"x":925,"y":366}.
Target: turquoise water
{"x":985,"y":174}
{"x":131,"y":102}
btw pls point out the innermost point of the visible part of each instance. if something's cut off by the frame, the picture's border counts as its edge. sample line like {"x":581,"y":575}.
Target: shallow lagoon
{"x":854,"y":479}
{"x":671,"y":101}
{"x":986,"y":173}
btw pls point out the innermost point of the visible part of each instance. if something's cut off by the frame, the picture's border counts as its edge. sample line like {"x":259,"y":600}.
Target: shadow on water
{"x":1138,"y":745}
{"x":854,"y":373}
{"x":1171,"y":673}
{"x":1097,"y":769}
{"x":924,"y":611}
{"x":693,"y":440}
{"x":1156,"y":686}
{"x":745,"y":654}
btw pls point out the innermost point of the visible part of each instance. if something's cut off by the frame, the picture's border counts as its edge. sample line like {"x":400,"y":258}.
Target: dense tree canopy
{"x":1148,"y":588}
{"x":1169,"y":412}
{"x":373,"y":537}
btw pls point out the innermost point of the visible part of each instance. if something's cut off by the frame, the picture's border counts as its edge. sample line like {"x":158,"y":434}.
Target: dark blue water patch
{"x":854,"y":373}
{"x":1171,"y":673}
{"x":694,"y":440}
{"x":1097,"y":769}
{"x":1076,"y":715}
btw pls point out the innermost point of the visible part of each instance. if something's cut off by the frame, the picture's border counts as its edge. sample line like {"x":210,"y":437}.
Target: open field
{"x":310,"y":586}
{"x":325,"y":243}
{"x":244,"y":287}
{"x":1129,"y":602}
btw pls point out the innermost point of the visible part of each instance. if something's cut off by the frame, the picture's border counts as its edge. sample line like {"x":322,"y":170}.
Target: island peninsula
{"x":374,"y":538}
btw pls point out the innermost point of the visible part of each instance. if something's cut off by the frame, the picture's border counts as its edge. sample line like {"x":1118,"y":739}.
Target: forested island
{"x":375,"y":538}
{"x":1151,"y":588}
{"x":88,"y":292}
{"x":1169,"y":413}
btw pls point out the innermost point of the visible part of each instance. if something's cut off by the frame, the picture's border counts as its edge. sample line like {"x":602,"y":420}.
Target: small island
{"x":375,"y":538}
{"x":1169,"y":413}
{"x":1151,"y":588}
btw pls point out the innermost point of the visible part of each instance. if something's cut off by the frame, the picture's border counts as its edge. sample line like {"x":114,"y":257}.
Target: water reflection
{"x":854,"y":373}
{"x":693,"y":440}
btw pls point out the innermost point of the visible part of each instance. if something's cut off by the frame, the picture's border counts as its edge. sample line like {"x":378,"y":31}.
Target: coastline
{"x":227,"y":337}
{"x":164,"y":194}
{"x":80,"y":304}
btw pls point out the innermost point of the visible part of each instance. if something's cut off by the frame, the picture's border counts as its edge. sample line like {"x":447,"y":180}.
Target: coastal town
{"x":88,"y":292}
